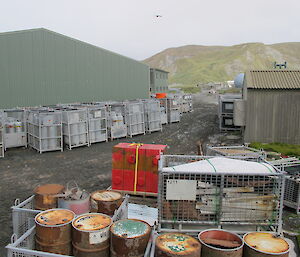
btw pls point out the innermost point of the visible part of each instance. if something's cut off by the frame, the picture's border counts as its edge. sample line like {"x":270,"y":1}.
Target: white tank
{"x":19,"y":127}
{"x":82,"y":131}
{"x":74,"y":134}
{"x":52,"y":133}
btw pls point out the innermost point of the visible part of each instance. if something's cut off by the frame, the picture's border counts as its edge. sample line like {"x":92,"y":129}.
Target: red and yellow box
{"x":135,"y":167}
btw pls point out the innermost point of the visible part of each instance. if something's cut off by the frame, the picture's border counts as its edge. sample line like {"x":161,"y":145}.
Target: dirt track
{"x":22,"y":169}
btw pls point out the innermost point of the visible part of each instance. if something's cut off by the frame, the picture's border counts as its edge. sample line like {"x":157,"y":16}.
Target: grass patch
{"x":285,"y":149}
{"x":191,"y":90}
{"x":232,"y":90}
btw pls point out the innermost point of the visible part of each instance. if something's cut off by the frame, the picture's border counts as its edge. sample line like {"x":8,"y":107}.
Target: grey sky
{"x":129,"y":27}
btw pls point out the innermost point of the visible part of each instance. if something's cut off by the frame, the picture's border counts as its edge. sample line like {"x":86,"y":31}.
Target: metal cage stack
{"x":15,"y":133}
{"x":117,"y":127}
{"x":1,"y":134}
{"x":226,"y":112}
{"x":134,"y":118}
{"x":239,"y":150}
{"x":163,"y":111}
{"x":240,"y":200}
{"x":44,"y":130}
{"x":292,"y":181}
{"x":173,"y":110}
{"x":187,"y":103}
{"x":152,"y":115}
{"x":97,"y":117}
{"x":75,"y":127}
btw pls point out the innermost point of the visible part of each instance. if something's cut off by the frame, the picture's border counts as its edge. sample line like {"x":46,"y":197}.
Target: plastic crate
{"x":292,"y":193}
{"x":23,"y":214}
{"x":220,"y":200}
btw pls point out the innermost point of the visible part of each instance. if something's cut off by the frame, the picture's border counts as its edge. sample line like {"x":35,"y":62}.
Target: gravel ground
{"x":21,"y":169}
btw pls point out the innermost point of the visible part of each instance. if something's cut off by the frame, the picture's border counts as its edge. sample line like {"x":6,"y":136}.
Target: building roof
{"x":70,"y":38}
{"x":273,"y":79}
{"x":159,"y":70}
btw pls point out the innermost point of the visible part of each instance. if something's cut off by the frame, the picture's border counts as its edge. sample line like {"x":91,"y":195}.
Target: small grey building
{"x":272,"y":106}
{"x":158,"y":80}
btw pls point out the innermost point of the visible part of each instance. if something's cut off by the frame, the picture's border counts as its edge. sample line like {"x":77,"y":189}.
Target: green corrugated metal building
{"x":41,"y":67}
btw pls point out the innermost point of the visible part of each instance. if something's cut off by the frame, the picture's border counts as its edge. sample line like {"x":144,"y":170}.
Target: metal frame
{"x":97,"y":119}
{"x":134,"y":118}
{"x":179,"y":216}
{"x":37,"y":130}
{"x":15,"y":138}
{"x":292,"y":186}
{"x":117,"y":128}
{"x":75,"y":119}
{"x":152,"y":115}
{"x":1,"y":134}
{"x":23,"y":214}
{"x":163,"y":110}
{"x":254,"y":154}
{"x":24,"y":245}
{"x":173,"y":110}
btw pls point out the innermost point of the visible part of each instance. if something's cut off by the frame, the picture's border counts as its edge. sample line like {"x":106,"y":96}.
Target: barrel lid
{"x":266,"y":242}
{"x":106,"y":195}
{"x":130,"y":228}
{"x":49,"y":189}
{"x":176,"y":243}
{"x":54,"y":217}
{"x":91,"y":222}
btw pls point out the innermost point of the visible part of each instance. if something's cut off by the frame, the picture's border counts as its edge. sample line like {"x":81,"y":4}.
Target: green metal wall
{"x":41,"y":67}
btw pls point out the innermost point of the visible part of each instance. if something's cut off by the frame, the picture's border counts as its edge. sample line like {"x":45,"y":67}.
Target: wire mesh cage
{"x":44,"y":130}
{"x":238,"y":150}
{"x":173,"y":110}
{"x":163,"y":110}
{"x":97,"y":118}
{"x":23,"y":240}
{"x":236,"y":200}
{"x":292,"y":185}
{"x":23,"y":214}
{"x":1,"y":134}
{"x":75,"y":127}
{"x":134,"y":118}
{"x":152,"y":115}
{"x":15,"y":128}
{"x":117,"y":127}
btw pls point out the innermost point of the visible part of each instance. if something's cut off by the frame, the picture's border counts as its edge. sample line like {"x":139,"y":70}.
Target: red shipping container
{"x":126,"y":178}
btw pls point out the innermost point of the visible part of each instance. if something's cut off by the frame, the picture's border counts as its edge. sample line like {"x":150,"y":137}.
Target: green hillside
{"x":192,"y":64}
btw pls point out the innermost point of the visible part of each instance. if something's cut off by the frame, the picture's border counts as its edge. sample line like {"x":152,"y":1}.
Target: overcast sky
{"x":129,"y":27}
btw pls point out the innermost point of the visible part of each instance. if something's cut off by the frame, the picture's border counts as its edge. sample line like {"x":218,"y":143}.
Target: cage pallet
{"x":24,"y":245}
{"x":23,"y":214}
{"x":239,"y":150}
{"x":242,"y":201}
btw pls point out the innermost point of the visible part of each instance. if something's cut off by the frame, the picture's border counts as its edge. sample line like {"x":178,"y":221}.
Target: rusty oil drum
{"x":175,"y":245}
{"x":106,"y":201}
{"x":90,"y":235}
{"x":220,"y":243}
{"x":261,"y":244}
{"x":53,"y":231}
{"x":129,"y":237}
{"x":44,"y":196}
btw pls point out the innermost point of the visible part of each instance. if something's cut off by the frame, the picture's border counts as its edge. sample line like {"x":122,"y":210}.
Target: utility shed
{"x":272,"y":101}
{"x":158,"y":80}
{"x":41,"y":67}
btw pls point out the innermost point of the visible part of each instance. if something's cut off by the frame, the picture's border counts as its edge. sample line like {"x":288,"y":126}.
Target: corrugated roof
{"x":273,"y":79}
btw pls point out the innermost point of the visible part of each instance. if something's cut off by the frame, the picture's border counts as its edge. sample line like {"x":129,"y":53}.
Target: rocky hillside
{"x":192,"y":64}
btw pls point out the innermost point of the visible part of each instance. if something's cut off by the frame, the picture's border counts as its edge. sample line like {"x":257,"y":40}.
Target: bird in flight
{"x":158,"y":16}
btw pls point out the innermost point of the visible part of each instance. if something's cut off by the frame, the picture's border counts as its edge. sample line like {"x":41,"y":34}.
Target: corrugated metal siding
{"x":273,"y":79}
{"x":40,"y":67}
{"x":273,"y":116}
{"x":159,"y":81}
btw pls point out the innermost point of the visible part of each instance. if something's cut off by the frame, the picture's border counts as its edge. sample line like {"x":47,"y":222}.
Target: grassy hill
{"x":192,"y":64}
